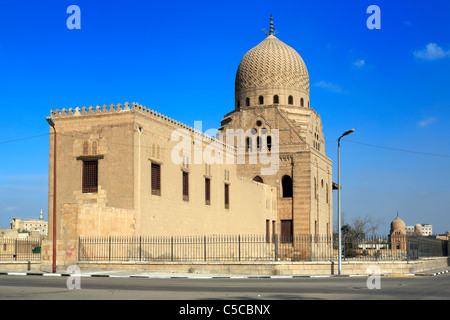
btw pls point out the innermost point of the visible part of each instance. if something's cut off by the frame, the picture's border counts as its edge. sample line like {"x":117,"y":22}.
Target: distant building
{"x":397,"y":235}
{"x":30,"y":225}
{"x":422,"y":230}
{"x":445,"y":236}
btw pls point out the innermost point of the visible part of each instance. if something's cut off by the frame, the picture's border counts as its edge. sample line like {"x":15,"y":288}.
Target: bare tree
{"x":363,"y":226}
{"x":374,"y":225}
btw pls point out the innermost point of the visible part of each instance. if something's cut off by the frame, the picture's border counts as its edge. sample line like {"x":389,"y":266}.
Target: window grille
{"x":207,"y":191}
{"x":156,"y":179}
{"x":185,"y":186}
{"x":227,"y":196}
{"x":90,"y":176}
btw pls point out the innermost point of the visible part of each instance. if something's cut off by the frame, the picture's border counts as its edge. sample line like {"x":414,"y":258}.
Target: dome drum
{"x":272,"y":95}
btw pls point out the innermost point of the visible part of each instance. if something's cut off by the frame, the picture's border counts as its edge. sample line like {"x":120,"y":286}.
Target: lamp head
{"x":50,"y":121}
{"x":348,"y":132}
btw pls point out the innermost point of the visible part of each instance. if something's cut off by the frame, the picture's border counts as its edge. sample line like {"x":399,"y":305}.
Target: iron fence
{"x":217,"y":248}
{"x":20,"y":249}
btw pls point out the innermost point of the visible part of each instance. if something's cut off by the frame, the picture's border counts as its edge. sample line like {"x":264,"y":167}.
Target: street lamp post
{"x":339,"y":199}
{"x":52,"y":124}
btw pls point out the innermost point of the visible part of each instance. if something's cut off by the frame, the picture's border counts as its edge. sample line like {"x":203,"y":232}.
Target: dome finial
{"x":271,"y":26}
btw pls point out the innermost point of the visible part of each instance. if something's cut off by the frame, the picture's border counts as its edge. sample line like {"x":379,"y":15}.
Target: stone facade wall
{"x":126,"y":142}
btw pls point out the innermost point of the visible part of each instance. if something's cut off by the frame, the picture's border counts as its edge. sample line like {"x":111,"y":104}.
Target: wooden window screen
{"x":227,"y":196}
{"x":207,"y":191}
{"x":90,"y":176}
{"x":156,"y":179}
{"x":286,"y":231}
{"x":185,"y":186}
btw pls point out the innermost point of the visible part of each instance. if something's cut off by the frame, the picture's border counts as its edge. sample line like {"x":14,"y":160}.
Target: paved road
{"x":392,"y":288}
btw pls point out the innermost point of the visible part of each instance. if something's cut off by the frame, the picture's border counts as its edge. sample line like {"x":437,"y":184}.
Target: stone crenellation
{"x":126,"y":107}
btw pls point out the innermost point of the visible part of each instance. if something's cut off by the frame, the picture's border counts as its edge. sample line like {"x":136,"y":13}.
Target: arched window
{"x":94,"y":148}
{"x":85,"y":148}
{"x":291,"y":100}
{"x":239,"y":104}
{"x":302,"y":102}
{"x":269,"y":143}
{"x":261,"y":100}
{"x":247,"y":102}
{"x":276,"y":100}
{"x":248,"y":144}
{"x":286,"y":184}
{"x":258,"y":143}
{"x":258,"y":179}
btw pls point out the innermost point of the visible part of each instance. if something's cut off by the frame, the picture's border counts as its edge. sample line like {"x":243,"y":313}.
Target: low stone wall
{"x":272,"y":268}
{"x":245,"y":268}
{"x":20,"y":266}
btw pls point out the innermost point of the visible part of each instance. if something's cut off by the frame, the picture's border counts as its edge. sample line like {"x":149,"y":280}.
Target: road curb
{"x":212,"y":276}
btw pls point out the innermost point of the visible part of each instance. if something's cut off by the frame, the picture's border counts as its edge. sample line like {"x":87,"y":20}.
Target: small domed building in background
{"x":418,"y":229}
{"x":397,"y":235}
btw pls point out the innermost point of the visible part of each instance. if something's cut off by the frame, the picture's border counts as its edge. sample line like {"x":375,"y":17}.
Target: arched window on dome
{"x":261,"y":99}
{"x":286,"y":184}
{"x":247,"y":102}
{"x":302,"y":102}
{"x":276,"y":100}
{"x":291,"y":100}
{"x":258,"y":179}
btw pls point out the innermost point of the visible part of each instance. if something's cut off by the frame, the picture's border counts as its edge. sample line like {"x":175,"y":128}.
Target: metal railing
{"x":20,"y":249}
{"x":217,"y":248}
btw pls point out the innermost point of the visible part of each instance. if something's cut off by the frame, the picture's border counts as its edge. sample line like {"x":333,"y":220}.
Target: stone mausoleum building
{"x":119,"y":172}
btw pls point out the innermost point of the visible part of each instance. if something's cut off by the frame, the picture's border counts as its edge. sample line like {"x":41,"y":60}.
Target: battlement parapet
{"x":126,"y":107}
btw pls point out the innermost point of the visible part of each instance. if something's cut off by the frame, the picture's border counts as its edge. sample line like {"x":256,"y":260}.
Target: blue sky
{"x":180,"y":58}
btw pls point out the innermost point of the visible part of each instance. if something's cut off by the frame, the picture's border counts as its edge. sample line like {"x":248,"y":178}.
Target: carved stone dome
{"x":397,"y":225}
{"x":272,"y":68}
{"x":272,"y":63}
